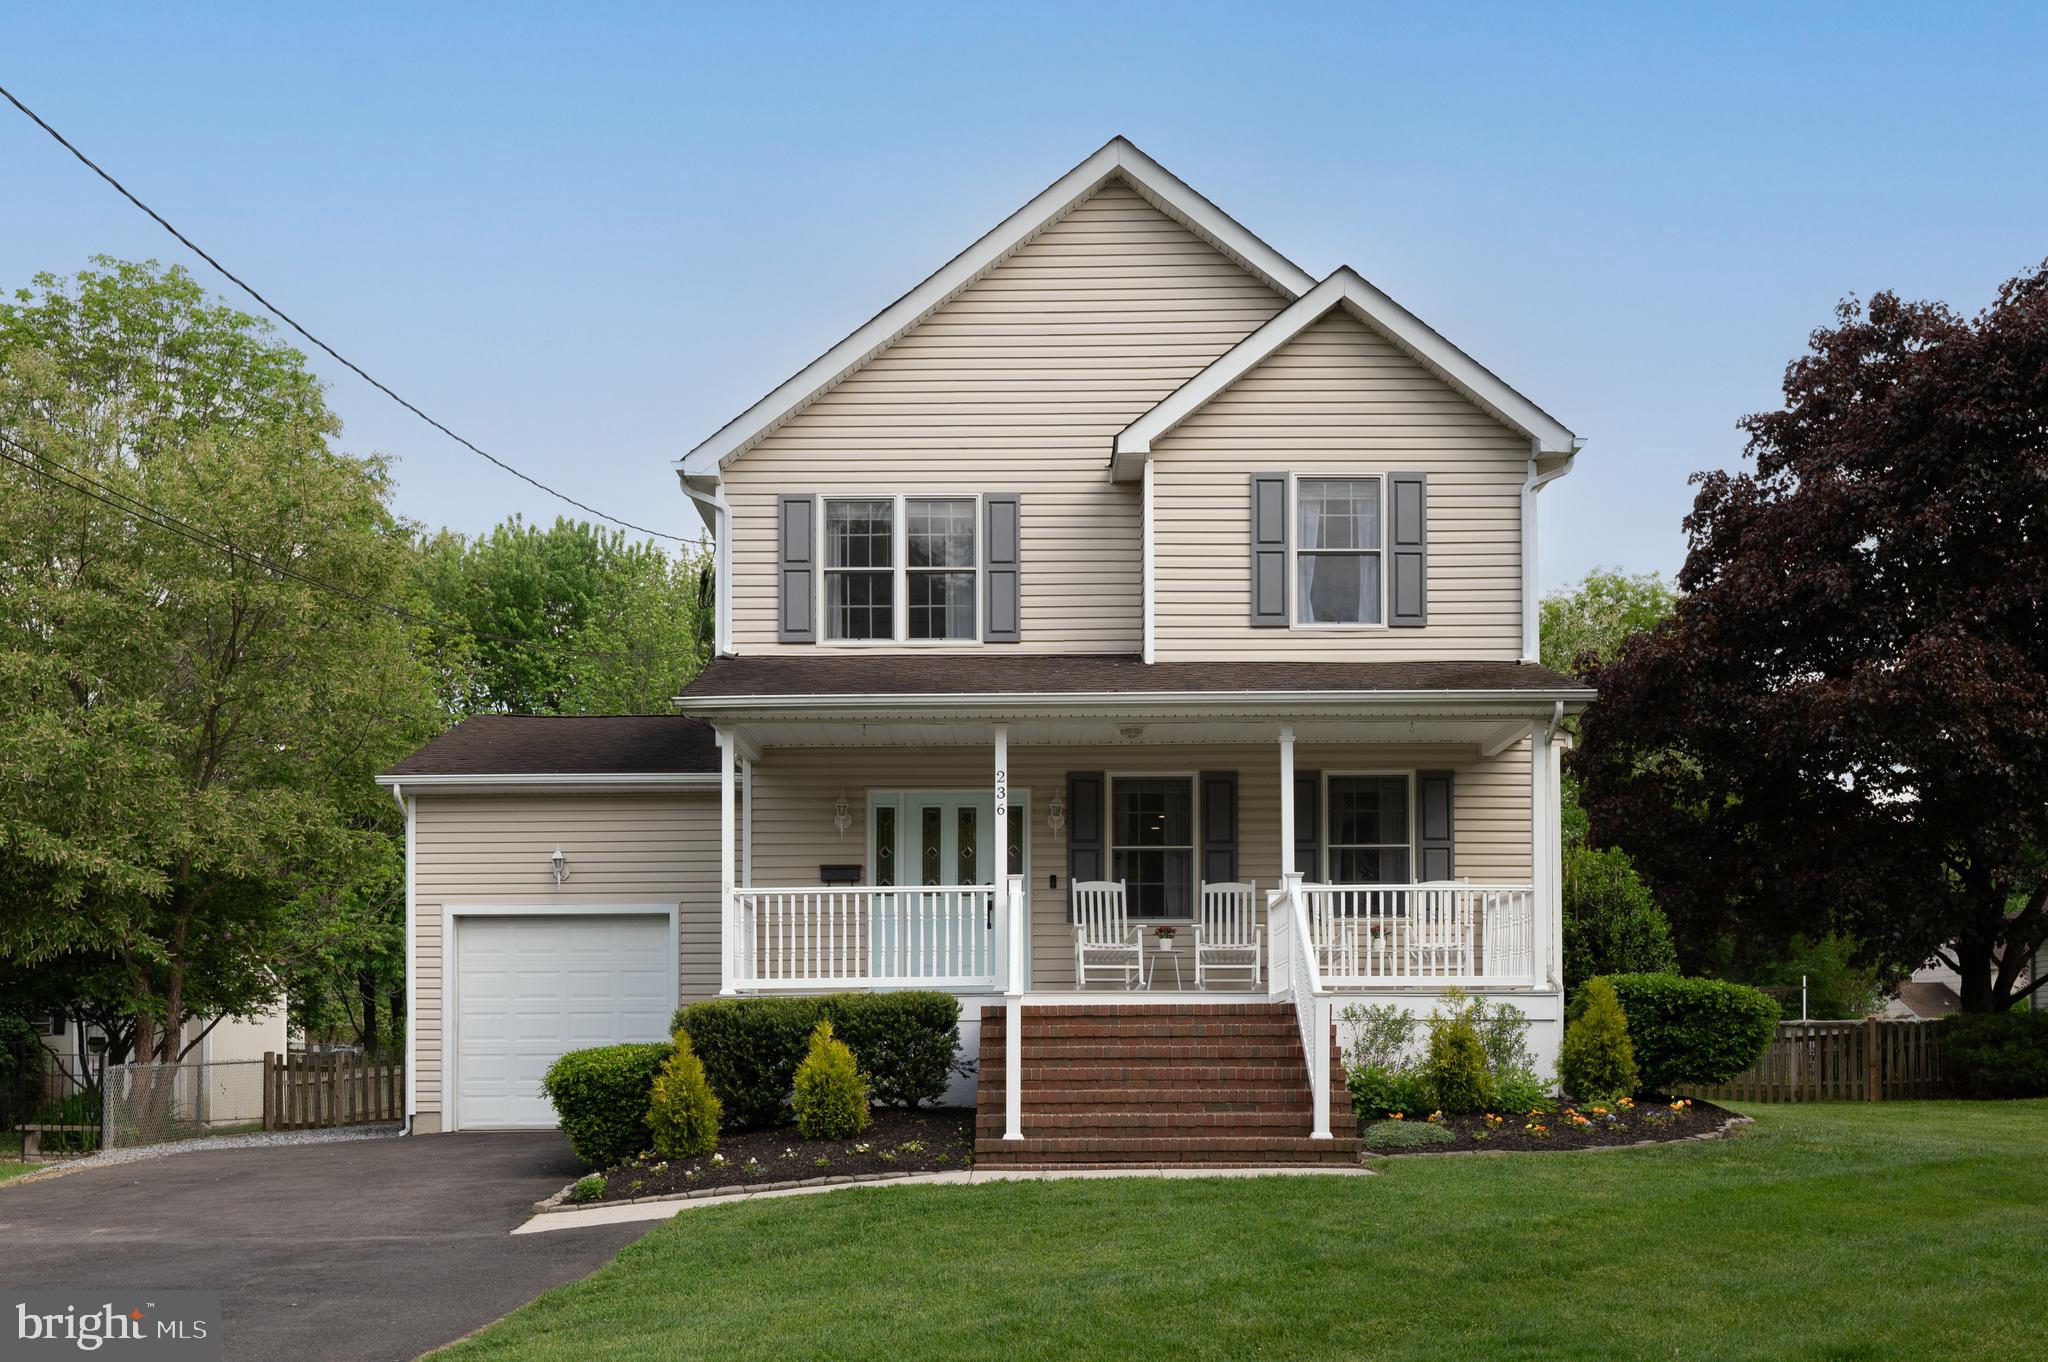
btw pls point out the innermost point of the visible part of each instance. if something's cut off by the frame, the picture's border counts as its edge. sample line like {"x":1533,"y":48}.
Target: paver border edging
{"x":1722,"y":1131}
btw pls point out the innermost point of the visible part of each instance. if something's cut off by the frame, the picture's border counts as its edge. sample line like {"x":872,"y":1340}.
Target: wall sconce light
{"x":560,"y":865}
{"x":842,"y":814}
{"x":1056,"y":813}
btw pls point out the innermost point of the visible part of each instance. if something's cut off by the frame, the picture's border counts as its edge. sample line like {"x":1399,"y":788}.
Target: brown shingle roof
{"x":512,"y":744}
{"x":1002,"y":673}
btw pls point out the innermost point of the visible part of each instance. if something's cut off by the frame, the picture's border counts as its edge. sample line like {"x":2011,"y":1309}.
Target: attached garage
{"x":530,"y":986}
{"x":561,"y":892}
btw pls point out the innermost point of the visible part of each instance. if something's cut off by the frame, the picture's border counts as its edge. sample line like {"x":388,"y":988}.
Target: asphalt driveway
{"x":365,"y":1251}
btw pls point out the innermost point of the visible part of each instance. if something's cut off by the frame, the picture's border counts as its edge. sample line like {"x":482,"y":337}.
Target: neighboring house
{"x":1120,"y":549}
{"x":233,"y":1096}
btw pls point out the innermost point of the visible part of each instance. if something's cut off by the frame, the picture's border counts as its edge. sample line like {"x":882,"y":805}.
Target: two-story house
{"x":1120,"y":575}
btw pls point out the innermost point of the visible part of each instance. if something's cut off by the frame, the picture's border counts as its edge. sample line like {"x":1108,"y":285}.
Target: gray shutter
{"x":1269,"y":550}
{"x":1408,"y":540}
{"x":1435,"y":816}
{"x":1085,"y":830}
{"x":796,"y":569}
{"x":999,"y":622}
{"x":1219,"y":826}
{"x":1308,"y":826}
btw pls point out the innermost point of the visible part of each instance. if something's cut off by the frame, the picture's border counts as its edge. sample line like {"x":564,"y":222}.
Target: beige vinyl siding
{"x":622,"y":849}
{"x":795,"y":789}
{"x":1338,"y":398}
{"x":1017,"y":385}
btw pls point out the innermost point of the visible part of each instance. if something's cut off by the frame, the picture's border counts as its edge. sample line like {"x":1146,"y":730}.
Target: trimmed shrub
{"x":1455,"y":1065}
{"x":908,"y":1044}
{"x":1404,"y":1135}
{"x":1612,"y":924}
{"x":1378,"y":1091}
{"x":831,"y":1096}
{"x":1998,"y":1054}
{"x":601,"y":1097}
{"x":1699,"y":1031}
{"x":1596,"y":1061}
{"x":682,"y":1110}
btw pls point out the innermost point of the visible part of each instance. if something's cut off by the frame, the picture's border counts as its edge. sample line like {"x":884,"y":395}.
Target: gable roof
{"x":1346,"y":289}
{"x":1118,"y":159}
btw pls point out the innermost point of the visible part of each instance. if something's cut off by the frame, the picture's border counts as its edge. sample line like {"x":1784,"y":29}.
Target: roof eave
{"x":1530,"y":703}
{"x":529,"y":782}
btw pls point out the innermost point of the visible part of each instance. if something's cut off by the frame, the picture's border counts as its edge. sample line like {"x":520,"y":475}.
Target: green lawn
{"x":1907,"y":1230}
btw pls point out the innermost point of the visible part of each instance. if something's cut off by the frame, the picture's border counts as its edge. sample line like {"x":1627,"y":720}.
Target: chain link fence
{"x":157,"y":1103}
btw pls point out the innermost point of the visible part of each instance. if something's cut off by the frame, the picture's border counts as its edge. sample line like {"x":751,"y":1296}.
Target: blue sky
{"x":587,"y":236}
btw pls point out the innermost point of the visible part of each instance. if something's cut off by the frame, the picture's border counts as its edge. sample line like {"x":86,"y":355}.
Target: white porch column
{"x":728,"y":933}
{"x":1553,"y":839}
{"x":1287,"y":867}
{"x":1014,"y":977}
{"x":1542,"y":855}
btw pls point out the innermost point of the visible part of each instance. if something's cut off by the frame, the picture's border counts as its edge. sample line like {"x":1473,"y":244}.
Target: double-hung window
{"x":1152,"y":843}
{"x":860,"y":569}
{"x":1369,"y":839}
{"x":900,"y":568}
{"x":1339,"y":537}
{"x":941,"y":567}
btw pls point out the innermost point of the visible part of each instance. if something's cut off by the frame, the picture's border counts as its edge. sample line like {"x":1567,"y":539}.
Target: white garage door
{"x":530,"y":988}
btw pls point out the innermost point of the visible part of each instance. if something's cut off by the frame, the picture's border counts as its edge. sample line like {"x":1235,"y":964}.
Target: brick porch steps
{"x":1112,"y":1085}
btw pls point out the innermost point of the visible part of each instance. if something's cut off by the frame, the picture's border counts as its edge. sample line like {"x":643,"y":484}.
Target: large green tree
{"x":571,"y":619}
{"x":185,"y":795}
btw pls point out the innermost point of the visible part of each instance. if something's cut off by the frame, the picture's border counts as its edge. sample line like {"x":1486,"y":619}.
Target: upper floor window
{"x":1338,"y":566}
{"x":860,"y":569}
{"x":900,"y":567}
{"x":941,"y":568}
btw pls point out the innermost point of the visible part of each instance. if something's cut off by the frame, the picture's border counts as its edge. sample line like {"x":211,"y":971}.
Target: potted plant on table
{"x":1164,"y":936}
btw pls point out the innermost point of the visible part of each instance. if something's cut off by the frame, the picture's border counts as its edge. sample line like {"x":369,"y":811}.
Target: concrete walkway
{"x":635,"y":1212}
{"x":361,"y":1251}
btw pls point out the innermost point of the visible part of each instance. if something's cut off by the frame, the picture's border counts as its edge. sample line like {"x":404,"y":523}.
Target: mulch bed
{"x":1571,"y":1127}
{"x":931,"y":1140}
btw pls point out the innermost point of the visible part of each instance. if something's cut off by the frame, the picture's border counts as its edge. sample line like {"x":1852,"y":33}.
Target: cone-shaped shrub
{"x":683,"y":1112}
{"x":1597,"y":1061}
{"x":1455,"y":1066}
{"x":831,"y":1097}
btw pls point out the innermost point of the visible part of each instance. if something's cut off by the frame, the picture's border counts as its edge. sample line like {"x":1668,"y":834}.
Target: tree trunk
{"x":366,"y":985}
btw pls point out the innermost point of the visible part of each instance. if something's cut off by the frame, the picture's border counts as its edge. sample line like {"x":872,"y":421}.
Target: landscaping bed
{"x":1567,"y":1126}
{"x":928,"y":1140}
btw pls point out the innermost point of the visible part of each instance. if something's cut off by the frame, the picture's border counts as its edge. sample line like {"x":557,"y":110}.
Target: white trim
{"x":1541,"y":475}
{"x":720,"y":514}
{"x":727,"y":835}
{"x":1118,"y":157}
{"x":1294,"y":593}
{"x":1347,"y":289}
{"x":1145,"y":559}
{"x":451,"y":975}
{"x":412,"y":1085}
{"x":1504,"y":737}
{"x":1015,"y":705}
{"x":537,"y":783}
{"x":746,"y":793}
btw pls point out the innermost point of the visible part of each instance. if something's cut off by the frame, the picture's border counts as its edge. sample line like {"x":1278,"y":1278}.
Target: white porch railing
{"x":931,"y":936}
{"x":1296,"y":976}
{"x":1469,"y":935}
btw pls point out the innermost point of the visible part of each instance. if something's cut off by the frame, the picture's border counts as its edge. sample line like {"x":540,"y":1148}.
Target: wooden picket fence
{"x":306,"y":1092}
{"x":1873,"y":1060}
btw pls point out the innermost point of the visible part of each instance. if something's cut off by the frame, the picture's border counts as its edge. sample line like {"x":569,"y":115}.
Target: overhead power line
{"x":81,"y":483}
{"x":293,"y":323}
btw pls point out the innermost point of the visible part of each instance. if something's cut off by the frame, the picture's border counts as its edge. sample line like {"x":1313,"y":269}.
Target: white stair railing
{"x":1298,"y":977}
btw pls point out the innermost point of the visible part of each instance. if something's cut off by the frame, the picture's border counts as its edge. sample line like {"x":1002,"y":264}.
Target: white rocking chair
{"x":1104,"y":939}
{"x":1229,"y":938}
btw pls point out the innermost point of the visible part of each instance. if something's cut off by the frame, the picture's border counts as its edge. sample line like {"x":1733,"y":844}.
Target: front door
{"x":944,"y":840}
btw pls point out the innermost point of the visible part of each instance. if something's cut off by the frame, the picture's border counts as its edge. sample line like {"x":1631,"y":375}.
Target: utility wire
{"x":288,"y":320}
{"x":85,"y":484}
